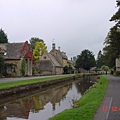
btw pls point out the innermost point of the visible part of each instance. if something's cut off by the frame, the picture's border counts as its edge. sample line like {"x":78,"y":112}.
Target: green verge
{"x":87,"y":105}
{"x":31,"y":81}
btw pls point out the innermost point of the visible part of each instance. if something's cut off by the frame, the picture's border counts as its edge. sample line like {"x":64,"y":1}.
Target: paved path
{"x":24,"y":78}
{"x":110,"y":106}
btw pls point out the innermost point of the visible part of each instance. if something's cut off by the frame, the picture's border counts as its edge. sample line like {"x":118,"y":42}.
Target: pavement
{"x":110,"y":106}
{"x":3,"y":80}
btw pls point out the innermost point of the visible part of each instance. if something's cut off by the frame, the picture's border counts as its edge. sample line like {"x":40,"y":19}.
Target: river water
{"x":43,"y":104}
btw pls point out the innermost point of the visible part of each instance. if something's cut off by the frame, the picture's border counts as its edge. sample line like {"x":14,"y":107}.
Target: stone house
{"x":117,"y":64}
{"x":52,"y":62}
{"x":13,"y":55}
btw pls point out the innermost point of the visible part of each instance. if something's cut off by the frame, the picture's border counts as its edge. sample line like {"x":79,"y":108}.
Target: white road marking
{"x":109,"y":108}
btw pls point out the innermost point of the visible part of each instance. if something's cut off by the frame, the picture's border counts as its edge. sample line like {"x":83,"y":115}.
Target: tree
{"x":105,"y":68}
{"x":40,"y":48}
{"x":112,"y":41}
{"x":33,"y":40}
{"x":3,"y":37}
{"x":100,"y":59}
{"x":1,"y":65}
{"x":74,"y":58}
{"x":85,"y":60}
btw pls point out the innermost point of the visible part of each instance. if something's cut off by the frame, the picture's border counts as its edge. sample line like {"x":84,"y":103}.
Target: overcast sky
{"x":74,"y":25}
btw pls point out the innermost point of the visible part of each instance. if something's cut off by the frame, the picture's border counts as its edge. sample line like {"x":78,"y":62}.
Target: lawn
{"x":87,"y":105}
{"x":31,"y":81}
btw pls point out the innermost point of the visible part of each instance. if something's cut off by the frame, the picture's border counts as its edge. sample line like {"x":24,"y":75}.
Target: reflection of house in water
{"x":22,"y":107}
{"x":2,"y":113}
{"x":54,"y":96}
{"x":19,"y":109}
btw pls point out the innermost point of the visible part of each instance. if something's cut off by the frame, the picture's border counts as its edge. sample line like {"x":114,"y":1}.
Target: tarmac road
{"x":110,"y":106}
{"x":2,"y":80}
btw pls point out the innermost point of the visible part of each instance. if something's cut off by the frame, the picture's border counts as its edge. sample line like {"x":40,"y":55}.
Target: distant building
{"x":52,"y":62}
{"x":13,"y":54}
{"x":117,"y":64}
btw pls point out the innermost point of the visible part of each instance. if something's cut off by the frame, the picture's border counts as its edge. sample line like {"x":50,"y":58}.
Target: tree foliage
{"x":112,"y":41}
{"x":3,"y":37}
{"x":40,"y":48}
{"x":33,"y":40}
{"x":85,"y":60}
{"x":100,"y":59}
{"x":105,"y":68}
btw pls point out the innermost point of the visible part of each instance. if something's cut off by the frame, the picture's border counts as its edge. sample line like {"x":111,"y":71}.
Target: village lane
{"x":110,"y":106}
{"x":3,"y":80}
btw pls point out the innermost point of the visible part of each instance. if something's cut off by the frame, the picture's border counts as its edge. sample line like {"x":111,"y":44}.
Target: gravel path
{"x":110,"y":106}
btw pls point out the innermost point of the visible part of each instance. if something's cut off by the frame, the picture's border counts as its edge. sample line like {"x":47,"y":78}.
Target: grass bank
{"x":87,"y":105}
{"x":31,"y":81}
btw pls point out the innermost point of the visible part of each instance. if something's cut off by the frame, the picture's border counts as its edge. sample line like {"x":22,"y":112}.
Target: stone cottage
{"x":52,"y":62}
{"x":13,"y":55}
{"x":118,"y":64}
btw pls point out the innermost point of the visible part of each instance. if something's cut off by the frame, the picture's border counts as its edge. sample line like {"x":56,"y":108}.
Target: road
{"x":3,"y":80}
{"x":110,"y":106}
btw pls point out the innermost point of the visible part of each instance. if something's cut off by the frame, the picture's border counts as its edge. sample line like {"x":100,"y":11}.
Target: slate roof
{"x":54,"y":61}
{"x":12,"y":50}
{"x":62,"y":54}
{"x":44,"y":65}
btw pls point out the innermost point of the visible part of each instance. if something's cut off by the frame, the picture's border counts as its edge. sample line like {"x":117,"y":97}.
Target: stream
{"x":41,"y":105}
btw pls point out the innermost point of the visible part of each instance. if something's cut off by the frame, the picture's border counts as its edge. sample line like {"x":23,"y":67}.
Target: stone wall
{"x":118,"y":64}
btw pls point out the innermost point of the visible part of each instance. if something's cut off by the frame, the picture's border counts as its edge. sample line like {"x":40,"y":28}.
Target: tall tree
{"x":100,"y":59}
{"x":33,"y":40}
{"x":112,"y":41}
{"x":3,"y":37}
{"x":40,"y":48}
{"x":85,"y":60}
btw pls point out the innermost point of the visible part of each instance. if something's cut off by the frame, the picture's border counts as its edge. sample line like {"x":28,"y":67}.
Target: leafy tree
{"x":85,"y":60}
{"x":112,"y":41}
{"x":23,"y":67}
{"x":40,"y":48}
{"x":74,"y":58}
{"x":33,"y":40}
{"x":105,"y":68}
{"x":1,"y":65}
{"x":3,"y":37}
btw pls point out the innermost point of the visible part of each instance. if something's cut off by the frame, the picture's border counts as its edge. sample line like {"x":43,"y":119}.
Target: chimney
{"x":59,"y":48}
{"x":53,"y":46}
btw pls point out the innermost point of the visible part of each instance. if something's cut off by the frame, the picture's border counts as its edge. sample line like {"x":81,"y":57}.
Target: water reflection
{"x":45,"y":104}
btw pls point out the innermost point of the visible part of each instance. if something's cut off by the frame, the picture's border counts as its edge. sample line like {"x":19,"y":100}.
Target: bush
{"x":117,"y":73}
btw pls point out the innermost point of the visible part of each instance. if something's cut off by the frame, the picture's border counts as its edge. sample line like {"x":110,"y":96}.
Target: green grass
{"x":87,"y":105}
{"x":31,"y":81}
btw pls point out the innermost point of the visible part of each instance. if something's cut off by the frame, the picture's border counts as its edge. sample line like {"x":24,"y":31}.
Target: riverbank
{"x":87,"y":105}
{"x":15,"y":87}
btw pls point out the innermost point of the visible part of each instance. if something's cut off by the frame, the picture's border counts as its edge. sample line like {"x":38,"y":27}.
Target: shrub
{"x":117,"y":73}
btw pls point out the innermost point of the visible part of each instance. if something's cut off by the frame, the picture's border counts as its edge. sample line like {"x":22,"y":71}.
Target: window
{"x":9,"y":69}
{"x":44,"y":57}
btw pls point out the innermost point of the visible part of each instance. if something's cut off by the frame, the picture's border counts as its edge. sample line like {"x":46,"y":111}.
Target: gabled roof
{"x":53,"y":59}
{"x":16,"y":50}
{"x":62,"y":54}
{"x":12,"y":50}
